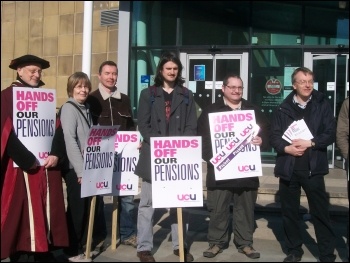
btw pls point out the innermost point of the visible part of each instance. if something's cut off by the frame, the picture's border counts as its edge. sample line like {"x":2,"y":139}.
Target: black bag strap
{"x":70,"y":102}
{"x":153,"y":91}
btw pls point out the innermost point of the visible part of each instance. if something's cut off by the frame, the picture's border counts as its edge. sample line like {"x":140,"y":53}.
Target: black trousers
{"x":22,"y":256}
{"x":78,"y":211}
{"x":315,"y":191}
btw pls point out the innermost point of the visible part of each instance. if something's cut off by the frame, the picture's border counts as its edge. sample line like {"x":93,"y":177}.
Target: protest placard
{"x":176,"y":171}
{"x":125,"y":182}
{"x":34,"y":119}
{"x":99,"y":161}
{"x":233,"y":155}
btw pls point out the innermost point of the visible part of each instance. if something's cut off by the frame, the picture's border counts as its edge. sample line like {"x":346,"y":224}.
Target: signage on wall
{"x":146,"y":81}
{"x":273,"y":96}
{"x":273,"y":86}
{"x":199,"y":72}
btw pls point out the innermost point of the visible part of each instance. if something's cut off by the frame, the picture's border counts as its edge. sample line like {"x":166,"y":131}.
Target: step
{"x":268,"y":197}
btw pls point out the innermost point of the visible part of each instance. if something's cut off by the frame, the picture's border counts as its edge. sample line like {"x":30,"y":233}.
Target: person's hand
{"x":256,"y":140}
{"x":50,"y":161}
{"x":300,"y":143}
{"x":139,"y":147}
{"x":295,"y":149}
{"x":79,"y":180}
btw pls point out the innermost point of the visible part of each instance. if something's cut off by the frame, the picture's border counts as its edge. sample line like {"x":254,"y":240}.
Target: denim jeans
{"x":127,"y":227}
{"x":126,"y":224}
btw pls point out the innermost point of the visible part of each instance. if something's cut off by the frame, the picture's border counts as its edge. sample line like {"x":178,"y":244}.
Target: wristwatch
{"x":312,"y":144}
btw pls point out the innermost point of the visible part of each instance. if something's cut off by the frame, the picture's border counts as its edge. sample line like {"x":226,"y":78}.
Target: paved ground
{"x":268,"y":239}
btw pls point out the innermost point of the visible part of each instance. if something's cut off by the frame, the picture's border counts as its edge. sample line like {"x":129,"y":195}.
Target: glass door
{"x":204,"y":74}
{"x":331,"y":78}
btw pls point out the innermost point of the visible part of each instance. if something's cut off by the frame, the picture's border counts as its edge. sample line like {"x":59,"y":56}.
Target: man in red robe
{"x":33,"y":221}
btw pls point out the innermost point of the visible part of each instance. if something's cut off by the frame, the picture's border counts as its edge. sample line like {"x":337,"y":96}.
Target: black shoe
{"x":145,"y":256}
{"x":188,"y":255}
{"x":292,"y":258}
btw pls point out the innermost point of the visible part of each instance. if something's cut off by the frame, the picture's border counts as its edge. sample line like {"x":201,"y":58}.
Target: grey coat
{"x":152,"y":122}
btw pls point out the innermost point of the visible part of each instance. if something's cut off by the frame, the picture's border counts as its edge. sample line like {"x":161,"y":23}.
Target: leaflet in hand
{"x":297,"y":130}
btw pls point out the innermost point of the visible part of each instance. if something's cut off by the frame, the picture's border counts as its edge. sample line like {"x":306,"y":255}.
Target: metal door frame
{"x":309,"y":58}
{"x":243,"y":57}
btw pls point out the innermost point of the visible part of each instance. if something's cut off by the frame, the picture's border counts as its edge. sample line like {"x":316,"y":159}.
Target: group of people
{"x":33,"y":225}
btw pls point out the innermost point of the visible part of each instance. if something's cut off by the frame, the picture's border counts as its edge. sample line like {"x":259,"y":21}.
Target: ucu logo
{"x":102,"y":185}
{"x":218,"y":158}
{"x":123,"y":187}
{"x":246,"y":130}
{"x":246,"y":168}
{"x":186,"y":197}
{"x":232,"y":143}
{"x":43,"y":155}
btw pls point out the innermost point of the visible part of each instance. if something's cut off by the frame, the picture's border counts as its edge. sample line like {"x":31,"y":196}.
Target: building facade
{"x":263,"y":41}
{"x":53,"y":30}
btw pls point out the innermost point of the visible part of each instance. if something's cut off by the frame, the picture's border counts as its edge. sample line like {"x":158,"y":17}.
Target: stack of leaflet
{"x":297,"y":130}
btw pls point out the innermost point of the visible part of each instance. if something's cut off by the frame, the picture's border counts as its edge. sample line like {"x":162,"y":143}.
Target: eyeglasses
{"x":304,"y":82}
{"x":79,"y":87}
{"x":234,"y":88}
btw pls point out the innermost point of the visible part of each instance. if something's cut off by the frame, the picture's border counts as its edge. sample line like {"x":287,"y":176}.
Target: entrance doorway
{"x":331,"y":78}
{"x":204,"y":74}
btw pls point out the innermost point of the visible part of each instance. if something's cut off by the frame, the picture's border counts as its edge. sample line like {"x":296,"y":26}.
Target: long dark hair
{"x":166,"y":57}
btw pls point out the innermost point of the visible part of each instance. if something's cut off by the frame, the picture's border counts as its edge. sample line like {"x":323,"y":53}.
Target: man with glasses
{"x":242,"y":191}
{"x":303,"y":163}
{"x":33,"y":220}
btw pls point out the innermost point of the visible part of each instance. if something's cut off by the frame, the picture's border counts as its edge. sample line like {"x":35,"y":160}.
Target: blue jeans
{"x":126,"y":224}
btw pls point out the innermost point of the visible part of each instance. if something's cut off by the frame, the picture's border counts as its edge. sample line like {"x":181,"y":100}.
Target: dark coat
{"x":116,"y":111}
{"x":322,"y":125}
{"x":152,"y":122}
{"x":207,"y":153}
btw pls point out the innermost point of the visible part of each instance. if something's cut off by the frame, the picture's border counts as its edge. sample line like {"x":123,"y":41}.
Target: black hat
{"x":27,"y":59}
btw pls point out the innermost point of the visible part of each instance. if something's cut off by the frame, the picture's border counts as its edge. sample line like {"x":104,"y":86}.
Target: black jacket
{"x":114,"y":110}
{"x":322,"y":125}
{"x":207,"y":153}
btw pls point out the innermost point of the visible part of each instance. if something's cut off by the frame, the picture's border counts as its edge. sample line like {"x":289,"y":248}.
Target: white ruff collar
{"x":105,"y":95}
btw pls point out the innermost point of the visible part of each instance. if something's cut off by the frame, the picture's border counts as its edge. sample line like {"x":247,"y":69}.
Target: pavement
{"x":268,"y":239}
{"x":268,"y":236}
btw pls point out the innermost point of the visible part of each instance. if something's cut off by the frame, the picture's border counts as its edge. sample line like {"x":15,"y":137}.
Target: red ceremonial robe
{"x":32,"y":204}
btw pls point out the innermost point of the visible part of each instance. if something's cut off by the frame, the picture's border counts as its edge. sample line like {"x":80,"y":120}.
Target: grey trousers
{"x":145,"y":221}
{"x":243,"y":223}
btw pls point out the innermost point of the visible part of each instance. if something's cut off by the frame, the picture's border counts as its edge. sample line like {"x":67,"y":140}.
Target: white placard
{"x":98,"y":161}
{"x":125,"y":182}
{"x":34,"y":119}
{"x":176,"y":171}
{"x":233,"y":154}
{"x":297,"y":130}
